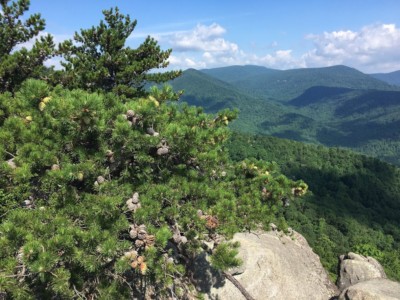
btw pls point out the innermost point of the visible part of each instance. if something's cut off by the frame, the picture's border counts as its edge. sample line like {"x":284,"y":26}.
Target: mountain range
{"x":333,"y":106}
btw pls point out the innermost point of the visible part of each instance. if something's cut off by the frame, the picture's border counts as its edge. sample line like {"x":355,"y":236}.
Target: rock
{"x":275,"y":266}
{"x":355,"y":268}
{"x":373,"y":289}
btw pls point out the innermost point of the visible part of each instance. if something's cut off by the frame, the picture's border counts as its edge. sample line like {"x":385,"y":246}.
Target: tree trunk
{"x":239,"y":286}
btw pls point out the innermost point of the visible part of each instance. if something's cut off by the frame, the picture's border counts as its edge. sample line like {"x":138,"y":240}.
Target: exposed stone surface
{"x":374,"y":289}
{"x":275,"y":266}
{"x":355,"y":268}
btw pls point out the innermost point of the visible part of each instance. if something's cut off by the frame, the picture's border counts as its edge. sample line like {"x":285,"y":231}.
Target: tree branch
{"x":238,"y":285}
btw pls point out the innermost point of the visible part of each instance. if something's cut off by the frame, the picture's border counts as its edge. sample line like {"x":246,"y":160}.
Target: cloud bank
{"x":374,"y":48}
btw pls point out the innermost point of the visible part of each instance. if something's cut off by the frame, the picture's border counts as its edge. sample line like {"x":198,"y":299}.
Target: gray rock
{"x":374,"y":289}
{"x":355,"y":268}
{"x":276,"y":266}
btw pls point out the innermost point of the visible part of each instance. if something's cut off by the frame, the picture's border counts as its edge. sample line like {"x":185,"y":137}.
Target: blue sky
{"x":283,"y":34}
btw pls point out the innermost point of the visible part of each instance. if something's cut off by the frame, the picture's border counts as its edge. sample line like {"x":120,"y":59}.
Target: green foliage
{"x":391,"y":78}
{"x":289,"y":84}
{"x":224,"y":256}
{"x":97,"y":59}
{"x":16,"y":65}
{"x":335,"y":106}
{"x":102,"y":195}
{"x":353,"y":205}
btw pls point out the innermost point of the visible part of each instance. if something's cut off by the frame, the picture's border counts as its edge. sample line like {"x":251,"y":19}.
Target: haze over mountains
{"x":334,"y":106}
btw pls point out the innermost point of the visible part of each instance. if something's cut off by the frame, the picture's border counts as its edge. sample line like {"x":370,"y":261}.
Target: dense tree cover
{"x":354,"y":204}
{"x":108,"y":195}
{"x":335,"y":106}
{"x":391,"y":78}
{"x":288,"y":84}
{"x":16,"y":63}
{"x":97,"y":59}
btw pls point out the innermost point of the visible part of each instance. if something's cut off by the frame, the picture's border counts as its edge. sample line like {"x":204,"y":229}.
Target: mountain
{"x":364,"y":120}
{"x":212,"y":94}
{"x":202,"y":90}
{"x":289,"y":84}
{"x":232,"y":74}
{"x":333,"y":106}
{"x":391,"y":78}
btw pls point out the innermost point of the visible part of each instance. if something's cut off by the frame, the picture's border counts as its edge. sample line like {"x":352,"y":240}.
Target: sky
{"x":278,"y":34}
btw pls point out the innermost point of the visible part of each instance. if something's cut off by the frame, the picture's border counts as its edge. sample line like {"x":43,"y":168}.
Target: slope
{"x":391,"y":78}
{"x":351,"y":110}
{"x":213,"y":95}
{"x":286,"y":85}
{"x":364,"y":120}
{"x":354,"y":202}
{"x":232,"y":74}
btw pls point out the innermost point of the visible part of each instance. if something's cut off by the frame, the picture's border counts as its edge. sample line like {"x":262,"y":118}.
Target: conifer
{"x":18,"y":63}
{"x":98,"y":59}
{"x":94,"y":207}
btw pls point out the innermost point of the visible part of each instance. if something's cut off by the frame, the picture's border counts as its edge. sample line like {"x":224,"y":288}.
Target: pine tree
{"x":118,"y":198}
{"x":16,"y":65}
{"x":105,"y":195}
{"x":97,"y":58}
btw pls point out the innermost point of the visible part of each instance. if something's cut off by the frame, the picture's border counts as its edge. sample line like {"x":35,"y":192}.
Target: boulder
{"x":275,"y":266}
{"x":354,"y":268}
{"x":373,"y":289}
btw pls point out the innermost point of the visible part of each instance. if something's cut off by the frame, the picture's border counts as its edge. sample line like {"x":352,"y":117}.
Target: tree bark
{"x":238,"y":285}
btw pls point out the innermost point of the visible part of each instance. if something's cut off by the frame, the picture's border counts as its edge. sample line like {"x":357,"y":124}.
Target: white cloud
{"x":201,"y":38}
{"x":375,"y":48}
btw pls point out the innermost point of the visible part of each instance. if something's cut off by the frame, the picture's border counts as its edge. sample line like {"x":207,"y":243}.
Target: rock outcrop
{"x":373,"y":289}
{"x":275,"y":266}
{"x":363,"y":278}
{"x":283,"y":267}
{"x":355,"y":268}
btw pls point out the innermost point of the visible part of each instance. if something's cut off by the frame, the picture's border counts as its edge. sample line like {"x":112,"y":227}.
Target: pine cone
{"x":140,"y":259}
{"x":150,"y":240}
{"x":142,"y":234}
{"x":162,"y":151}
{"x":135,"y":198}
{"x":130,"y":114}
{"x":212,"y":222}
{"x":177,"y":238}
{"x":133,"y":233}
{"x":150,"y":130}
{"x":139,"y":243}
{"x":100,"y":179}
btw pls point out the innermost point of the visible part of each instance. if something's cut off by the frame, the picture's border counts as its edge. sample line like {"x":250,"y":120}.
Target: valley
{"x":333,"y":106}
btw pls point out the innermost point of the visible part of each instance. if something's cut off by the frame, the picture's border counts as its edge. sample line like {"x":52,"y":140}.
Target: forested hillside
{"x":288,"y":84}
{"x":354,"y":202}
{"x":391,"y":78}
{"x":335,"y":106}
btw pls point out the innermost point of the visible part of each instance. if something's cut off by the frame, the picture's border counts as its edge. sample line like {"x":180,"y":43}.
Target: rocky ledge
{"x":280,"y":266}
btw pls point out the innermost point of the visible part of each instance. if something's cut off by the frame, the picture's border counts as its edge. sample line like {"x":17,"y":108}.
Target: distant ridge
{"x":288,"y":84}
{"x":235,"y":73}
{"x":391,"y":78}
{"x":333,"y":106}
